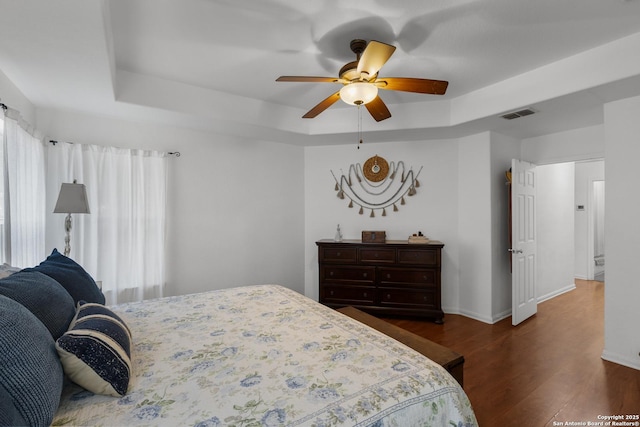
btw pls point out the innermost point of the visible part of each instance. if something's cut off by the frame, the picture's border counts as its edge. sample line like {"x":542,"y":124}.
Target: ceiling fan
{"x":361,"y":82}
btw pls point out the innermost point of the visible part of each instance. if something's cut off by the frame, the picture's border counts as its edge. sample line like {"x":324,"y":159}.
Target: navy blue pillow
{"x":71,"y":276}
{"x":31,"y":376}
{"x":42,"y":296}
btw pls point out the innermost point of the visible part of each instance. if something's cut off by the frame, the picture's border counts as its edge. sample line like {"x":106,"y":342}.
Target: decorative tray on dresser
{"x":391,"y":278}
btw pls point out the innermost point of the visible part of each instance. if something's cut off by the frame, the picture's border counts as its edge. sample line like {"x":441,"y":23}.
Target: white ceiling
{"x":212,"y":64}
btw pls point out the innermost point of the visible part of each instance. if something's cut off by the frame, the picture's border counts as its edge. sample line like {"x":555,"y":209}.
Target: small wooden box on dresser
{"x":392,"y":278}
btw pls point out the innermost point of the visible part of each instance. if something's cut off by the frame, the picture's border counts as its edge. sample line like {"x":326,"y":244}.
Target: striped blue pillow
{"x":96,"y":350}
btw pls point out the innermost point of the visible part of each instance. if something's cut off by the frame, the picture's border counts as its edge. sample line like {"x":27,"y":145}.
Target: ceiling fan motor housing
{"x":358,"y":46}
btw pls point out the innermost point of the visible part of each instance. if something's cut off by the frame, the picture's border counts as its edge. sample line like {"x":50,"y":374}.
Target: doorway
{"x":566,"y":225}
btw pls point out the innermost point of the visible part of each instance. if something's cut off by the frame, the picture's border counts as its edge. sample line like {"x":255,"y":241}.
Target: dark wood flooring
{"x":547,"y":369}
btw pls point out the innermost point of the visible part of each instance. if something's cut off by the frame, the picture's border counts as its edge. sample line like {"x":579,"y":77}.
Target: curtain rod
{"x":171,"y":153}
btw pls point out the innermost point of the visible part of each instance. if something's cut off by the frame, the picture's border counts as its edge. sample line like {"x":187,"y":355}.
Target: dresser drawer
{"x":408,"y":298}
{"x":418,"y":256}
{"x":347,"y":274}
{"x":408,"y":276}
{"x":338,"y":255}
{"x":377,"y":255}
{"x":347,"y":295}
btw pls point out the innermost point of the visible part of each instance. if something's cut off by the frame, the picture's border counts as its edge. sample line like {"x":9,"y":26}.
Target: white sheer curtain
{"x":24,"y":187}
{"x":122,"y":241}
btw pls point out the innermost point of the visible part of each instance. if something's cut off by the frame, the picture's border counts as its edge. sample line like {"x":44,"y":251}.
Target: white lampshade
{"x":358,"y":93}
{"x":72,"y":199}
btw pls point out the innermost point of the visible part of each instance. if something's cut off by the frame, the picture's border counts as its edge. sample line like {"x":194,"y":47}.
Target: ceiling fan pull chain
{"x":359,"y":125}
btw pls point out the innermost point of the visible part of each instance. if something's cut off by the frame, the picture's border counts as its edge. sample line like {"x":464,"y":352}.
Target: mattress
{"x":266,"y":355}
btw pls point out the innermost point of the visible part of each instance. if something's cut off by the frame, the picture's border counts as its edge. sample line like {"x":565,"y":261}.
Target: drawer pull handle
{"x":388,"y":296}
{"x":388,"y":276}
{"x":331,"y":273}
{"x":331,"y":293}
{"x":424,"y":277}
{"x":338,"y":254}
{"x":364,"y":294}
{"x":376,"y":255}
{"x":364,"y":274}
{"x":424,"y":298}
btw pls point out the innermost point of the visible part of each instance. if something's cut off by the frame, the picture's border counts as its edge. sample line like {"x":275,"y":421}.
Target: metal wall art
{"x":377,"y":185}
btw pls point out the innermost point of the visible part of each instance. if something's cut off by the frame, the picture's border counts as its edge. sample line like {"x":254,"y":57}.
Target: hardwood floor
{"x":545,"y":370}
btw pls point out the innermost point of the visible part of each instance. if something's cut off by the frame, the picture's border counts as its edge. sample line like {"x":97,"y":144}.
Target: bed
{"x":264,"y":355}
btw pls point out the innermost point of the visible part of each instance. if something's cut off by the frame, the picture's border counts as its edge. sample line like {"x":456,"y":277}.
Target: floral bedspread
{"x":266,"y":355}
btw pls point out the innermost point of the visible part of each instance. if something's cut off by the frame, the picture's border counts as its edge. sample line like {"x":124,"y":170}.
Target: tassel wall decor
{"x":375,"y":185}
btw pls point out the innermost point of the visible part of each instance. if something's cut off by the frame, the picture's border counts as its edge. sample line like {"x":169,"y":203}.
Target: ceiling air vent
{"x":520,"y":113}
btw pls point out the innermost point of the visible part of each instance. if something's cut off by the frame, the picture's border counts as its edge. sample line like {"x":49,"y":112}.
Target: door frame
{"x":591,"y":235}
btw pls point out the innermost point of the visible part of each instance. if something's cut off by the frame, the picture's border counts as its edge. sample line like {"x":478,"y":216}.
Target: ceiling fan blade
{"x":306,"y":79}
{"x":378,"y":109}
{"x":323,"y":105}
{"x":375,"y":55}
{"x":408,"y":84}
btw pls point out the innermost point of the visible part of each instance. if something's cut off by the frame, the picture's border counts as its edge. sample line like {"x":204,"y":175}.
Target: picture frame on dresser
{"x":390,"y":278}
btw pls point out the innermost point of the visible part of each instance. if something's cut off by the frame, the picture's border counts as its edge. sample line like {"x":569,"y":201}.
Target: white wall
{"x":235,"y":207}
{"x":555,"y":214}
{"x":622,"y":244}
{"x":474,"y":226}
{"x":572,"y":145}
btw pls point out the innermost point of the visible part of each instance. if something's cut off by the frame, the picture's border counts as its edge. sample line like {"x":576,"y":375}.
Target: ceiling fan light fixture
{"x":358,"y":93}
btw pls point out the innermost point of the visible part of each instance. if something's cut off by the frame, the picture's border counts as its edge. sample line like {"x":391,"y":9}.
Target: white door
{"x":523,"y":240}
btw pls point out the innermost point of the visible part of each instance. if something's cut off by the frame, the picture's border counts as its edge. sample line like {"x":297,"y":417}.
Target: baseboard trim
{"x":495,"y":318}
{"x":620,"y":360}
{"x":469,"y":314}
{"x":556,"y":293}
{"x":501,"y":316}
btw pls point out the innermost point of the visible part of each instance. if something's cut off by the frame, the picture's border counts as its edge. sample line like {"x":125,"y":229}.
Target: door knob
{"x":515,"y":251}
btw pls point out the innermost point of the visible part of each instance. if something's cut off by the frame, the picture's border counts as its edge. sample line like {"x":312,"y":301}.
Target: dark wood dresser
{"x":392,"y":278}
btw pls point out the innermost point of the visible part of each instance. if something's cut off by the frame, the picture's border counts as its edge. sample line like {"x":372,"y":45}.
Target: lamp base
{"x":67,"y":238}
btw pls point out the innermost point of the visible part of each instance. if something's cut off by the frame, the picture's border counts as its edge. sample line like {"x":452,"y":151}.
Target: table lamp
{"x":72,"y":199}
